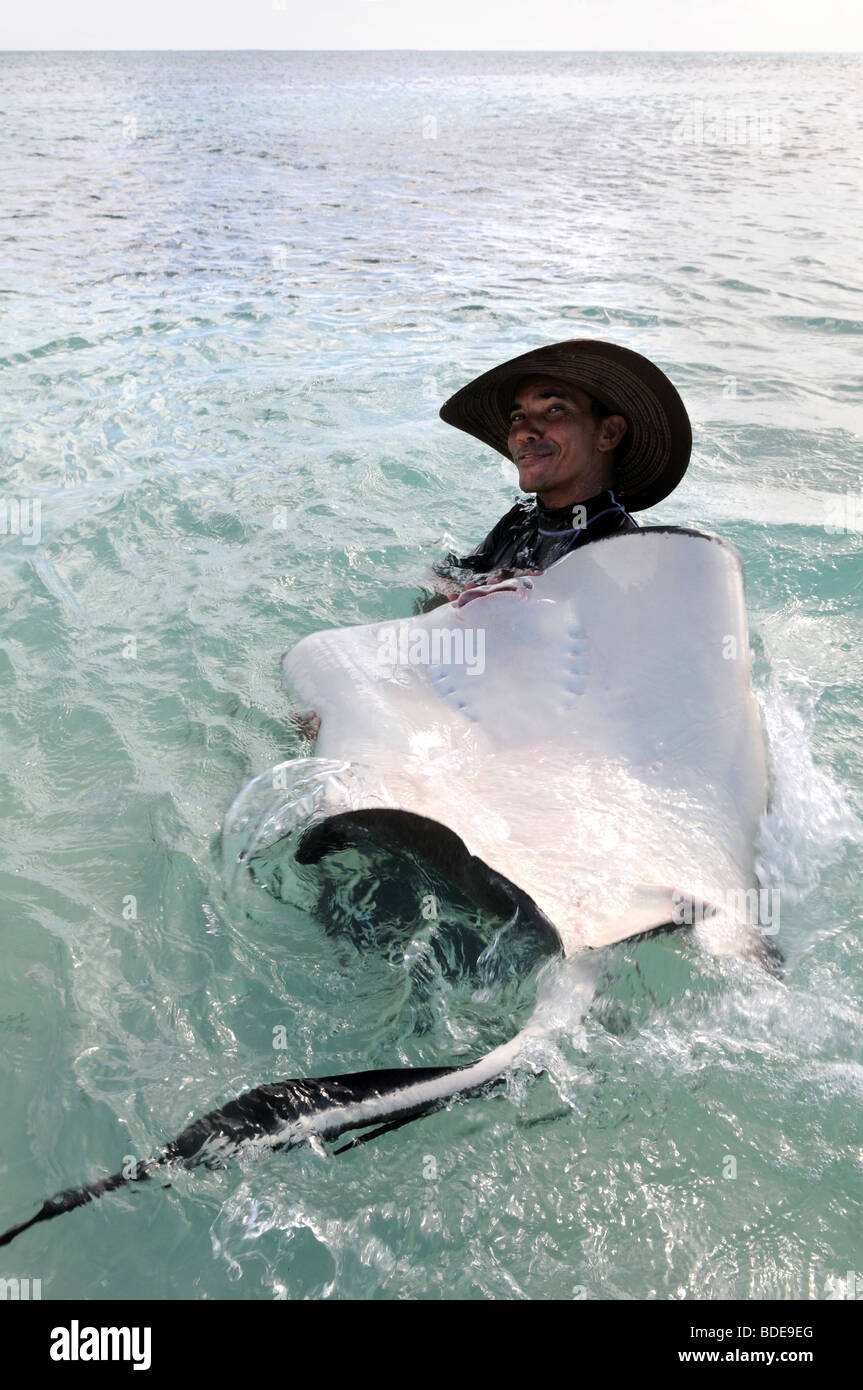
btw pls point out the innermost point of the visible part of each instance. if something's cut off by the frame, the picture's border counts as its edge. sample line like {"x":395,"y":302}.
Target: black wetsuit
{"x":532,"y":536}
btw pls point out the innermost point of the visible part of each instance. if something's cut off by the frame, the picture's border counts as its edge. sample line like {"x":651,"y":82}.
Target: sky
{"x":546,"y":25}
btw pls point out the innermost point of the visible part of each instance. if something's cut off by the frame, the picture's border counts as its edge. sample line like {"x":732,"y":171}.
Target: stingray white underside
{"x":593,"y":737}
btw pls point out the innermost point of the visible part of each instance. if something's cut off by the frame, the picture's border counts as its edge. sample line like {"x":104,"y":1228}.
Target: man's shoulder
{"x":510,"y":524}
{"x":608,"y":517}
{"x":524,"y":509}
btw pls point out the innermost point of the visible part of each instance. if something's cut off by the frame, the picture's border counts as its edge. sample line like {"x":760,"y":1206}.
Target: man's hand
{"x":499,"y":580}
{"x":427,"y":602}
{"x":447,"y":590}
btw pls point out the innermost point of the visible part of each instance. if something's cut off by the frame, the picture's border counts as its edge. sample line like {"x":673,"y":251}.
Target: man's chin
{"x":530,"y":480}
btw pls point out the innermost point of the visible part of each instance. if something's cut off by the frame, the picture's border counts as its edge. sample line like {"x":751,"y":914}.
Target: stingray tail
{"x":288,"y":1113}
{"x":284,"y":1114}
{"x":76,"y":1197}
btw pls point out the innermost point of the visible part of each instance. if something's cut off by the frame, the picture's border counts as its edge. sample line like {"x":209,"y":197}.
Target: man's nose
{"x":528,"y":428}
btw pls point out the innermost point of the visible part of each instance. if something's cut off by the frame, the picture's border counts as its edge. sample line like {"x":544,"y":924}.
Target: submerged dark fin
{"x":442,"y":851}
{"x":385,"y":1129}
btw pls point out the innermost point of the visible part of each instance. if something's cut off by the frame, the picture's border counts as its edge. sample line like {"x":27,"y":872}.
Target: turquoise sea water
{"x":235,"y":290}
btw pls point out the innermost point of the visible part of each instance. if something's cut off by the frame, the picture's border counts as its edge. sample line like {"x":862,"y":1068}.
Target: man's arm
{"x":438,"y":586}
{"x":445,"y":580}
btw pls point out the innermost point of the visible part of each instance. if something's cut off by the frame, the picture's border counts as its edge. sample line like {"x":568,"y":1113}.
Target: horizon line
{"x":695,"y":52}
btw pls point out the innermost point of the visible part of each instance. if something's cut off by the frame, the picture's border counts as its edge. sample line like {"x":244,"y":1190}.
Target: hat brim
{"x":653,"y":454}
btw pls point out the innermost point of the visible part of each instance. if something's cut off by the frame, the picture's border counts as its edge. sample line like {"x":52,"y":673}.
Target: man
{"x":596,"y":432}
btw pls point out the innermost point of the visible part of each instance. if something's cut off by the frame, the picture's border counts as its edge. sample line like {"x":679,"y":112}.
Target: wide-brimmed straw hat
{"x":651,"y":458}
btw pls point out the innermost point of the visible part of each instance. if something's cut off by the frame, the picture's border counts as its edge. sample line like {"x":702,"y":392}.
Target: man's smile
{"x":531,"y":455}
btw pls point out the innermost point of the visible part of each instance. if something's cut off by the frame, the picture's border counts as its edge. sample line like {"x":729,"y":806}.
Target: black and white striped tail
{"x":284,"y":1114}
{"x":287,"y":1113}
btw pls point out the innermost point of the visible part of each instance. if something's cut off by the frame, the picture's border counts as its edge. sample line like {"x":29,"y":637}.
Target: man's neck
{"x":579,"y":498}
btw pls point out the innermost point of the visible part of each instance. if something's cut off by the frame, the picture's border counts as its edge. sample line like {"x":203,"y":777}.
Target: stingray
{"x":579,"y":751}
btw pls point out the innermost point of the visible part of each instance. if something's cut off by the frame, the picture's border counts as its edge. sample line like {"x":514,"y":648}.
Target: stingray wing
{"x":593,"y":738}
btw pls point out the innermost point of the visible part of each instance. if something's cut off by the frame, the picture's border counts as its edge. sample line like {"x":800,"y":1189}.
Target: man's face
{"x":561,"y":450}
